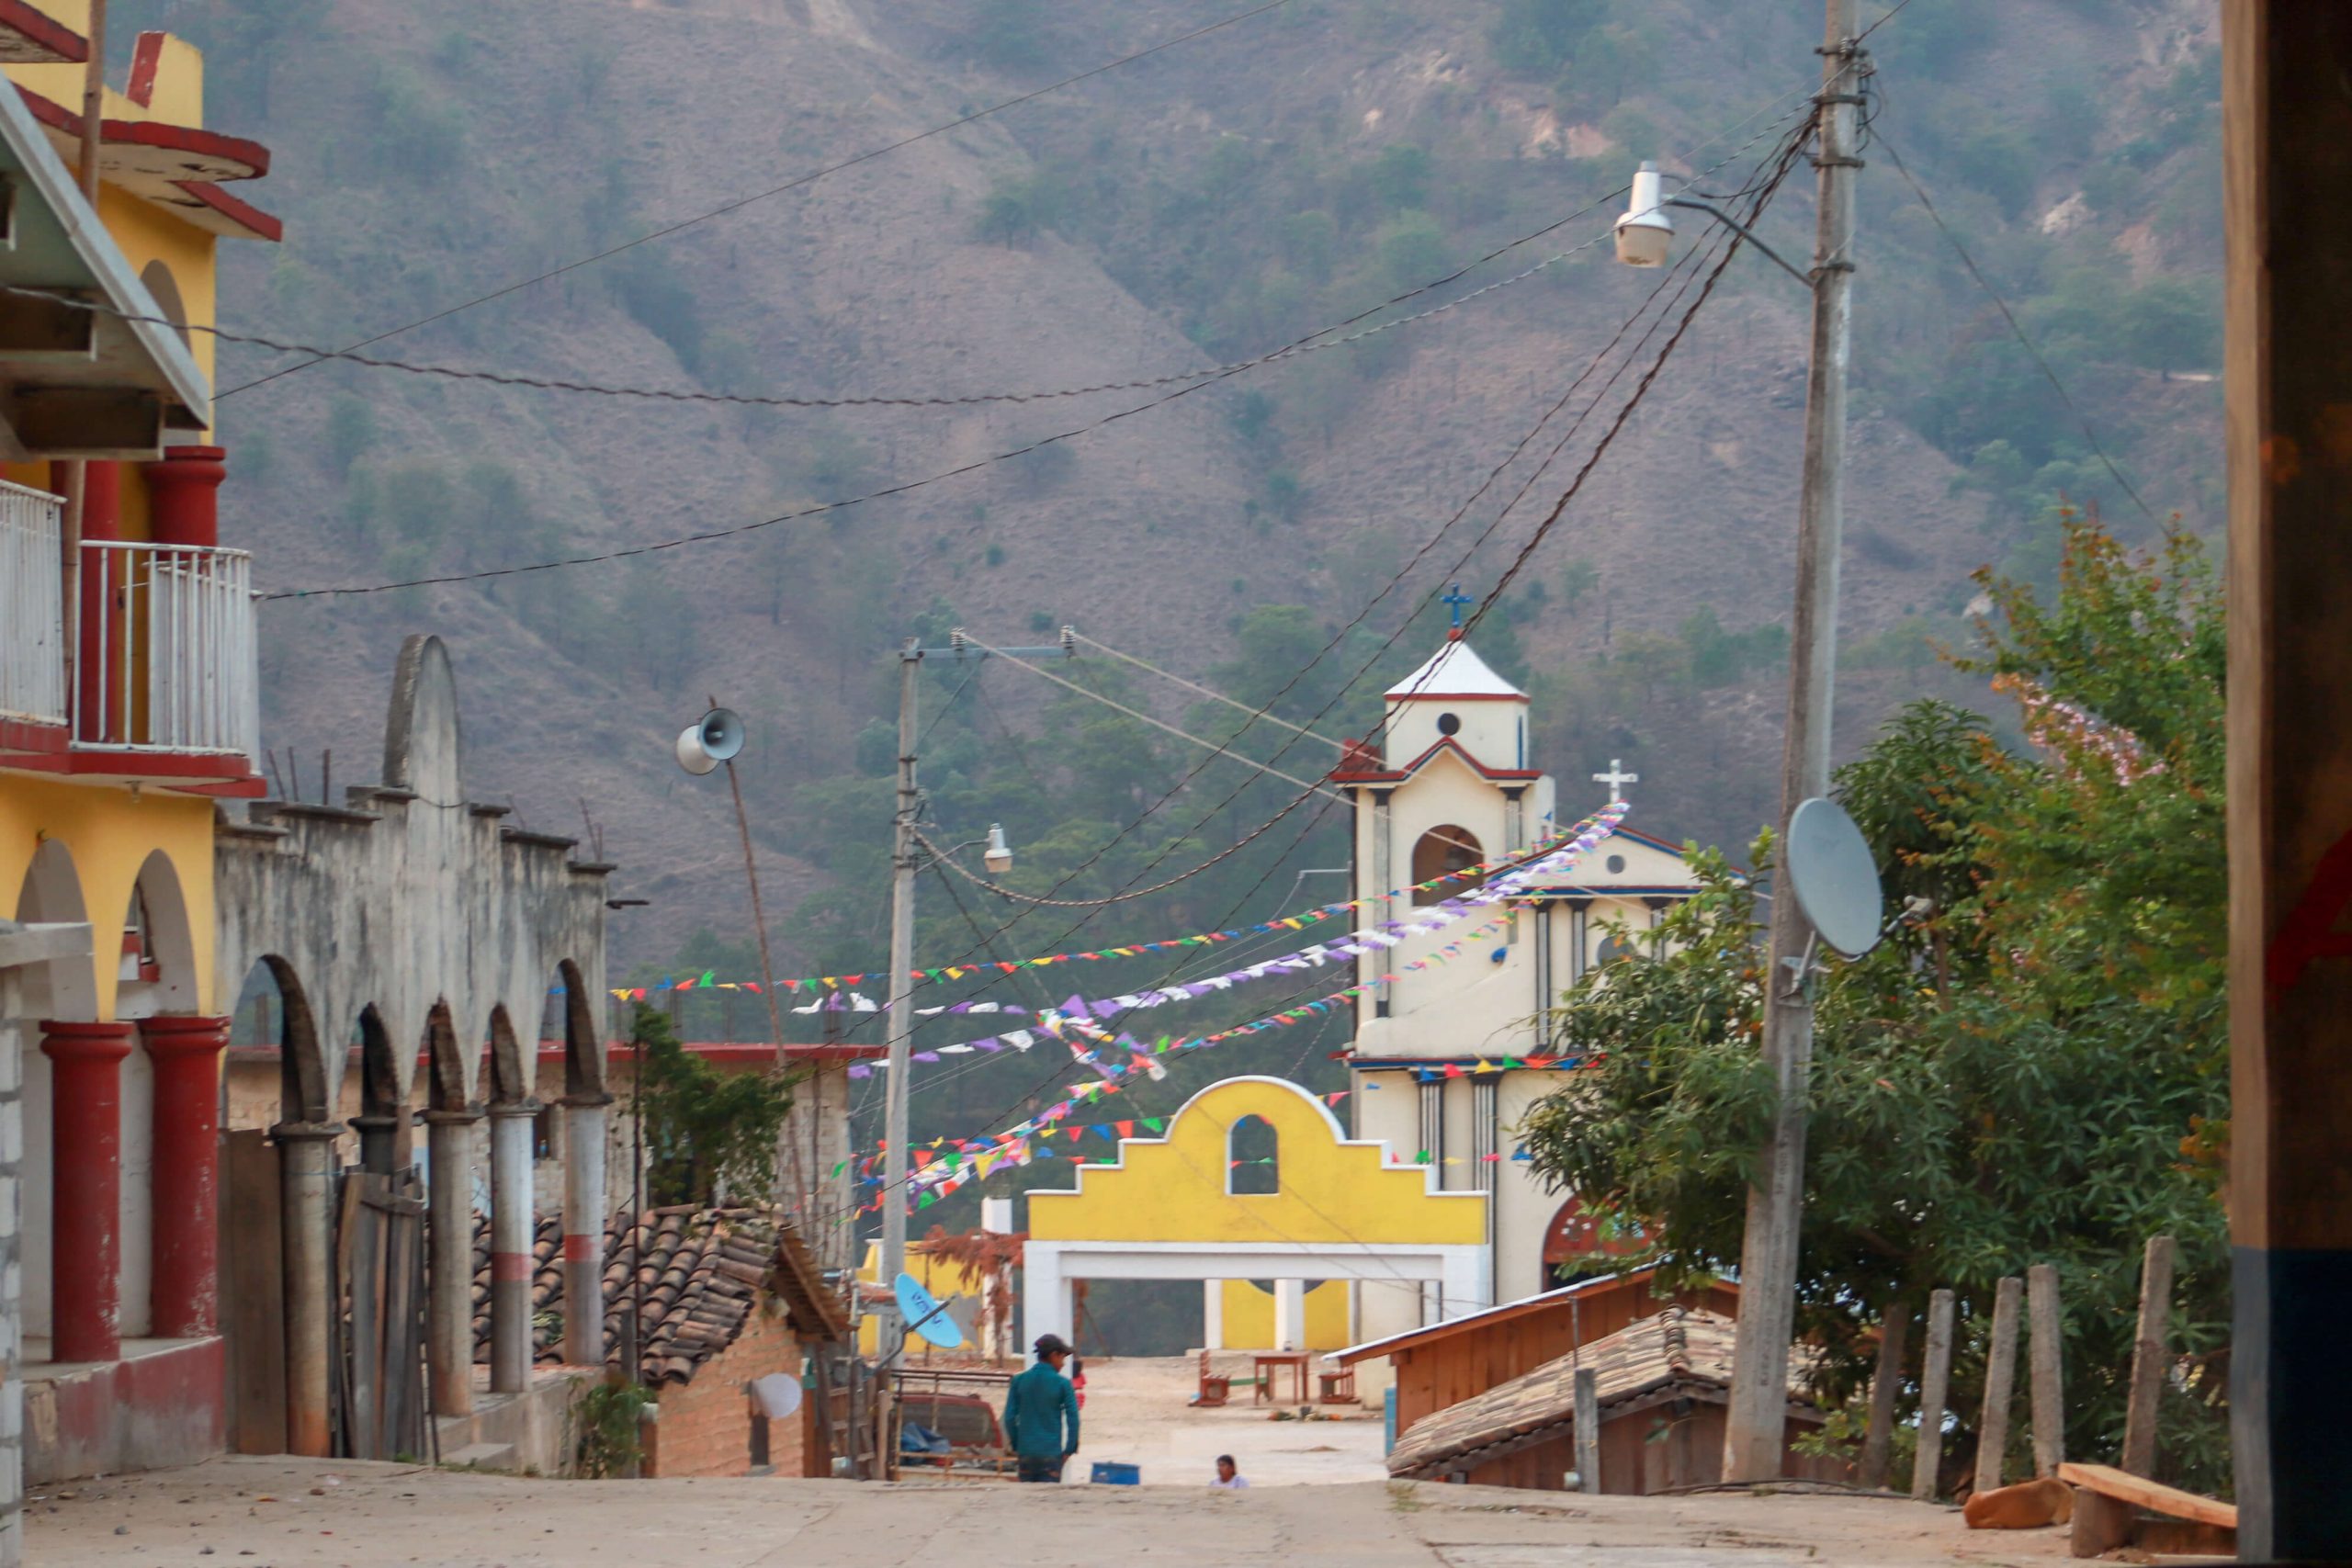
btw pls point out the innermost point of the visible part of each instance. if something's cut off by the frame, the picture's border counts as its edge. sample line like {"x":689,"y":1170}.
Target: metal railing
{"x":32,"y":606}
{"x":174,"y":665}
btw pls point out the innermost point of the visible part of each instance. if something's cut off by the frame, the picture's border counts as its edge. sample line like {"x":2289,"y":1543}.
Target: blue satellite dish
{"x":926,"y":1315}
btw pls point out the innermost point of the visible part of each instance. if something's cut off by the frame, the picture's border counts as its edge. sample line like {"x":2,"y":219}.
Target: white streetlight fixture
{"x":998,"y":856}
{"x":1645,"y":234}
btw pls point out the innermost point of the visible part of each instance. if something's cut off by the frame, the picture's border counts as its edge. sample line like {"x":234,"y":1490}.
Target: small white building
{"x":1447,"y":1058}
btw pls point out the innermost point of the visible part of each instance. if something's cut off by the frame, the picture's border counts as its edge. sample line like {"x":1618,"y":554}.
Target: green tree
{"x":1537,"y":35}
{"x":705,"y":1130}
{"x":2042,"y":1057}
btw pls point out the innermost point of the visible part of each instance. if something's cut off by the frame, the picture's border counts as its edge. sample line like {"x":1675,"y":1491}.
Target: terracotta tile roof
{"x":1678,"y":1352}
{"x":704,"y":1272}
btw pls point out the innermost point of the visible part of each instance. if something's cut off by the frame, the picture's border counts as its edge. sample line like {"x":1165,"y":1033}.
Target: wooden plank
{"x":2151,"y":1357}
{"x":1935,"y":1387}
{"x":2099,"y":1525}
{"x":1893,"y":1327}
{"x":2045,"y":1322}
{"x":2000,"y":1384}
{"x":253,"y":1296}
{"x":402,"y":1393}
{"x":2153,"y":1495}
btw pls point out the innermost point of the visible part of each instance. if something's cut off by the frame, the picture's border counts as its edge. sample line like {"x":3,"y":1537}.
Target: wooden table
{"x":1264,"y":1362}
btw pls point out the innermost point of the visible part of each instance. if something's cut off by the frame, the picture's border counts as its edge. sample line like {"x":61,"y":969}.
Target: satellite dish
{"x":926,"y":1315}
{"x":778,"y":1393}
{"x":1834,"y":877}
{"x":710,"y":740}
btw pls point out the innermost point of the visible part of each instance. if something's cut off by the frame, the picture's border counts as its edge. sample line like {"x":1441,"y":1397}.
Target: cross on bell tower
{"x":1616,"y":778}
{"x":1456,"y":598}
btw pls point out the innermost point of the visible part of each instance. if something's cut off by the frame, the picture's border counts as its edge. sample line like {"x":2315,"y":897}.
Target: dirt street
{"x":280,"y":1514}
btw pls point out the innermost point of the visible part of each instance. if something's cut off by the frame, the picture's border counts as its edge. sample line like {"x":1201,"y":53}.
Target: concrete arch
{"x":444,"y":1062}
{"x":1443,"y":848}
{"x":52,"y":892}
{"x":302,"y":1075}
{"x":1253,"y":1154}
{"x":157,"y":919}
{"x":382,"y":1122}
{"x":584,"y":1053}
{"x":510,"y":1075}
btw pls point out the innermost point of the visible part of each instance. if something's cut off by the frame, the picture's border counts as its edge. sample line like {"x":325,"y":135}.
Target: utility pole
{"x":902,"y":1017}
{"x":1755,"y":1427}
{"x":906,"y":848}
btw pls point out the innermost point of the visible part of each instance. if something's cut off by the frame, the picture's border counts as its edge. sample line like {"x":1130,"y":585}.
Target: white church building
{"x":1444,"y":785}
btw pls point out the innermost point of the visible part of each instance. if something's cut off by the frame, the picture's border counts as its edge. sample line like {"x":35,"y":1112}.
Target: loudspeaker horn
{"x":710,"y":740}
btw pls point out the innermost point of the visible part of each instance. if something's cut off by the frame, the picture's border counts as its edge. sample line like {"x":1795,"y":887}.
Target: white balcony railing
{"x":32,"y":607}
{"x":174,"y":667}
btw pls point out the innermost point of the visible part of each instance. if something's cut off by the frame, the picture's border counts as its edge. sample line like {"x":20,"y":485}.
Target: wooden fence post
{"x":1893,"y":1327}
{"x":1935,"y":1384}
{"x":2000,"y":1382}
{"x":2150,"y":1356}
{"x":1588,"y":1429}
{"x":2046,"y":1328}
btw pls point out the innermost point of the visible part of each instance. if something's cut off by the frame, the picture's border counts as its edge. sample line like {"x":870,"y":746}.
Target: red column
{"x":184,"y":1291}
{"x":183,"y":494}
{"x":85,"y":1188}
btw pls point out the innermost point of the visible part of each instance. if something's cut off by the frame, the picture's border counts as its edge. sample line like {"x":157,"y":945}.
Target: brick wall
{"x":705,"y":1428}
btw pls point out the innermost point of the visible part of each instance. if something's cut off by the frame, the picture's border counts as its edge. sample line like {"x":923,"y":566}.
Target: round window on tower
{"x":1616,"y":866}
{"x":1449,"y":724}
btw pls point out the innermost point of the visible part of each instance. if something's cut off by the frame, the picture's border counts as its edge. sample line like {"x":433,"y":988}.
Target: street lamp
{"x":998,"y":856}
{"x":1756,"y":1413}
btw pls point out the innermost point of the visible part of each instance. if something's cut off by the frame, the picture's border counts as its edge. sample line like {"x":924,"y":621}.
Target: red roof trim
{"x":264,"y":225}
{"x":145,"y":56}
{"x":44,"y":32}
{"x":1457,"y":697}
{"x":1443,"y":743}
{"x":152,"y":133}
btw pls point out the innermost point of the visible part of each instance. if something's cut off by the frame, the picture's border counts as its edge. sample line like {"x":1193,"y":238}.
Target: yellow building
{"x":129,"y":703}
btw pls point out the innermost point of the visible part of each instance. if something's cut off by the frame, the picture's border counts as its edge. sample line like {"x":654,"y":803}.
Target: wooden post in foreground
{"x":2149,"y":1357}
{"x":2000,"y":1382}
{"x":2046,"y":1335}
{"x":1893,"y":1327}
{"x":2287,"y":372}
{"x":1588,"y":1429}
{"x":1935,"y":1385}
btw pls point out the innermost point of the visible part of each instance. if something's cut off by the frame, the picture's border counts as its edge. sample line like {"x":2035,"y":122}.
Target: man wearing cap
{"x":1038,"y":1408}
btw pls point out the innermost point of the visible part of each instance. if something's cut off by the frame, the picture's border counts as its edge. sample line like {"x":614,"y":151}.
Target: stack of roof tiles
{"x":701,"y":1273}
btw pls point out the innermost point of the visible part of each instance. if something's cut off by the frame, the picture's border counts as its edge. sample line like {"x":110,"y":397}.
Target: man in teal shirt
{"x":1038,"y":1407}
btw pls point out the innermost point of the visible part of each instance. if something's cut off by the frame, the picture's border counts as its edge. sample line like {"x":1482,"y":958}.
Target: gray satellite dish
{"x":1834,"y":878}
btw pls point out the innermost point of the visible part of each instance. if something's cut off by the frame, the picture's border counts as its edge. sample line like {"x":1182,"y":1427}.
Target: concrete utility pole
{"x":1755,"y":1425}
{"x":906,"y":848}
{"x":901,"y":1019}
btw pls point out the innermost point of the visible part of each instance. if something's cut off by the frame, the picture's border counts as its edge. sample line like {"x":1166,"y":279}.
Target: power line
{"x":2017,"y":328}
{"x":1204,"y":691}
{"x":809,"y":178}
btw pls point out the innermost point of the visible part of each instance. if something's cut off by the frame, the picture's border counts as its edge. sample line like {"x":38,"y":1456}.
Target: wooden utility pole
{"x":1893,"y":1327}
{"x":2045,"y":1335}
{"x":2287,"y":228}
{"x":891,"y":1341}
{"x":2150,"y":1357}
{"x":1935,"y":1387}
{"x":74,"y":475}
{"x":1755,"y":1427}
{"x":2000,"y":1384}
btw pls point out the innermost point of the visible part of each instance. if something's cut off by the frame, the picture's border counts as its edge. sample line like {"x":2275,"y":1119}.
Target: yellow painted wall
{"x":940,"y":1277}
{"x":1249,"y":1316}
{"x":1172,"y":1188}
{"x":110,"y":832}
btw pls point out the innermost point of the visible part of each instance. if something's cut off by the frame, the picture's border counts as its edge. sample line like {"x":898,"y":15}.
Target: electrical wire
{"x":810,"y":178}
{"x":2017,"y":328}
{"x":887,"y":491}
{"x":1204,"y":691}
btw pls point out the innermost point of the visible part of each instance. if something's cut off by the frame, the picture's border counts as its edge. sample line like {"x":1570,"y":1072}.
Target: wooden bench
{"x":2106,"y":1517}
{"x":1335,"y":1388}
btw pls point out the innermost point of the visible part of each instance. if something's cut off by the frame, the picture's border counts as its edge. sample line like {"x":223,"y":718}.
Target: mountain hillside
{"x":1203,"y":206}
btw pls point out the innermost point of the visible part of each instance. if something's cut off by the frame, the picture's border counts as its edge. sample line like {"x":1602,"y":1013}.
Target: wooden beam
{"x":2155,"y":1496}
{"x":2287,"y":160}
{"x":2151,"y":1357}
{"x":1893,"y":1327}
{"x":2046,"y":1334}
{"x":1935,"y":1387}
{"x":2000,"y":1382}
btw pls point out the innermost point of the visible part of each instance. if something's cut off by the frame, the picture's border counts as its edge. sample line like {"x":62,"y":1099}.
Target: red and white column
{"x":583,"y":1228}
{"x":85,"y":1188}
{"x":185,"y":1289}
{"x":512,"y":1221}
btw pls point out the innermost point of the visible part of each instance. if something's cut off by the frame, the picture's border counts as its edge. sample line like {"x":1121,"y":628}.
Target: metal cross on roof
{"x":1455,"y":597}
{"x":1616,"y":778}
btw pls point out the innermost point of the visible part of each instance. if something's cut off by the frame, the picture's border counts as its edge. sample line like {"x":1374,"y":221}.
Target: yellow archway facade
{"x":1339,"y":1210}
